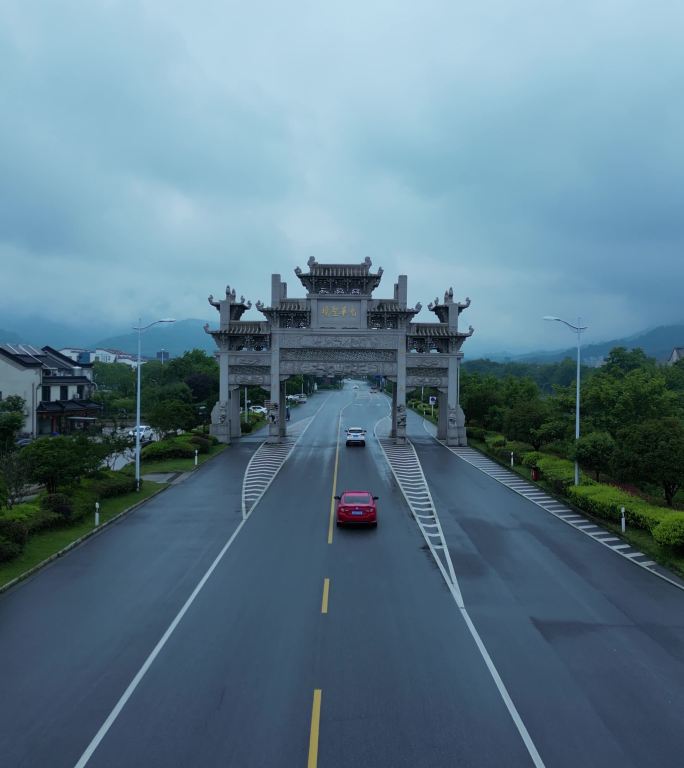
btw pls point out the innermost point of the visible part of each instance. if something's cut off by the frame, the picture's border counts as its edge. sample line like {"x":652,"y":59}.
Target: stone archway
{"x":338,"y":329}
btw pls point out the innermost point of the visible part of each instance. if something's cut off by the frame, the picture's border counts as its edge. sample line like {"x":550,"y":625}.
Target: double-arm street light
{"x":578,"y":330}
{"x":140,"y":328}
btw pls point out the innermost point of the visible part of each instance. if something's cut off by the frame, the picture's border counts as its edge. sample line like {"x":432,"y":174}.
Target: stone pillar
{"x":400,"y":389}
{"x":220,"y":414}
{"x":442,"y":415}
{"x":393,"y":431}
{"x":282,"y":411}
{"x":235,"y":412}
{"x":276,"y":389}
{"x":456,"y":434}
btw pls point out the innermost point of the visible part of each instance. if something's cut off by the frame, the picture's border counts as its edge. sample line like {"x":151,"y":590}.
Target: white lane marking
{"x":635,"y":554}
{"x":647,"y":563}
{"x":455,"y":590}
{"x":265,"y":464}
{"x":121,"y":703}
{"x":621,"y":546}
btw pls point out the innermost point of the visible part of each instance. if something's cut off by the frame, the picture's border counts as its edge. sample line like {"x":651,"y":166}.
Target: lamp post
{"x":140,"y":328}
{"x":578,"y":330}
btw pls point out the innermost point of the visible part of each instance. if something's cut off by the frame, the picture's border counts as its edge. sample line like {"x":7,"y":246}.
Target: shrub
{"x":32,"y":516}
{"x":670,"y":532}
{"x":114,"y":484}
{"x":605,"y":501}
{"x":8,"y":549}
{"x":59,"y":503}
{"x":477,"y":433}
{"x":245,"y":427}
{"x":495,"y":441}
{"x":558,"y":473}
{"x":13,"y":530}
{"x":173,"y":448}
{"x":531,"y":459}
{"x":201,"y":443}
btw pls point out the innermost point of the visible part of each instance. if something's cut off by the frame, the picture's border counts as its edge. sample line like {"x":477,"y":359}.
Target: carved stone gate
{"x":338,"y":329}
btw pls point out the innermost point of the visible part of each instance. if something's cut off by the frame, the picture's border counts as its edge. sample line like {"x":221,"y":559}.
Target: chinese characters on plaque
{"x":339,"y":314}
{"x":335,"y":310}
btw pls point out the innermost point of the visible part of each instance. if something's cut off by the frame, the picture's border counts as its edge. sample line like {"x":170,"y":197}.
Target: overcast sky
{"x":529,"y":154}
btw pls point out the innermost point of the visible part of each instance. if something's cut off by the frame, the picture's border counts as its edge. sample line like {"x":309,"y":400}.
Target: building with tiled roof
{"x":56,"y":389}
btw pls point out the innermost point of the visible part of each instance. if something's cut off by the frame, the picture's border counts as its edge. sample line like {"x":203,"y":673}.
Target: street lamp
{"x":578,"y":330}
{"x":140,"y":328}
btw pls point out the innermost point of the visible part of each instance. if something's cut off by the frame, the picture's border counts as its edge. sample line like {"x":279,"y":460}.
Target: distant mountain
{"x":189,"y":334}
{"x":175,"y":338}
{"x":9,"y":337}
{"x":658,"y":343}
{"x":42,"y":331}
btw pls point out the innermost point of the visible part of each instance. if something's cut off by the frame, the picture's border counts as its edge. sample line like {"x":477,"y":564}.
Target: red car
{"x":357,"y":507}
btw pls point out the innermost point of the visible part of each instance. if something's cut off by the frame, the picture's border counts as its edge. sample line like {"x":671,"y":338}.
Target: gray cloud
{"x":528,"y":154}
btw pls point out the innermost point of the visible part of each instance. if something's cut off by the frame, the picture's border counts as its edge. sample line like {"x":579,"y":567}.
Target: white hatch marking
{"x":442,"y":557}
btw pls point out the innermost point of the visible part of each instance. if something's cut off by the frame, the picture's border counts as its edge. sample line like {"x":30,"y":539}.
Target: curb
{"x":80,"y":540}
{"x":98,"y":530}
{"x":675,"y":581}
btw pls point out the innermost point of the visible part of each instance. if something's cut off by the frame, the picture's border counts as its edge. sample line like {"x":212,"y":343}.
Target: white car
{"x":258,"y":409}
{"x":356,"y":436}
{"x":146,"y":433}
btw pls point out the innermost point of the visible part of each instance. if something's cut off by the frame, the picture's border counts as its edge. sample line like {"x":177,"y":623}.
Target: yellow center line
{"x":315,"y":723}
{"x":334,"y":487}
{"x":326,"y":590}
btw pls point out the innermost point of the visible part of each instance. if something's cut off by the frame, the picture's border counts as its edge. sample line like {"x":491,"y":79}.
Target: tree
{"x":195,"y":361}
{"x":524,"y":420}
{"x":614,"y":398}
{"x":13,"y":476}
{"x":112,"y":446}
{"x":11,"y":423}
{"x":11,"y":420}
{"x":170,"y":415}
{"x":13,"y":404}
{"x":621,"y":361}
{"x":118,"y":378}
{"x":479,"y":394}
{"x":653,"y":452}
{"x":595,"y":452}
{"x":57,"y":461}
{"x":204,"y":387}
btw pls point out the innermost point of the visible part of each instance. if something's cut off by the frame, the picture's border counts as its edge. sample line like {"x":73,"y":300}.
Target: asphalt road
{"x":589,"y":647}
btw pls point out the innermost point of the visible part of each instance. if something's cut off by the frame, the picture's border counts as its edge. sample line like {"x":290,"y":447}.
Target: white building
{"x":56,"y":390}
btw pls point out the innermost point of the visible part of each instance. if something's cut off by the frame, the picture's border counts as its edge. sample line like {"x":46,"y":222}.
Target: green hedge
{"x":670,"y":532}
{"x":558,"y":473}
{"x":18,"y":523}
{"x":477,"y":433}
{"x":114,"y":484}
{"x":174,"y":448}
{"x":201,"y":443}
{"x":14,"y":530}
{"x":605,"y":501}
{"x":58,"y":503}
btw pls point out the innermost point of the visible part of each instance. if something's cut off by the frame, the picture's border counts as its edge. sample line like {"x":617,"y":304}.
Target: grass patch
{"x":173,"y":465}
{"x":644,"y":542}
{"x":45,"y":543}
